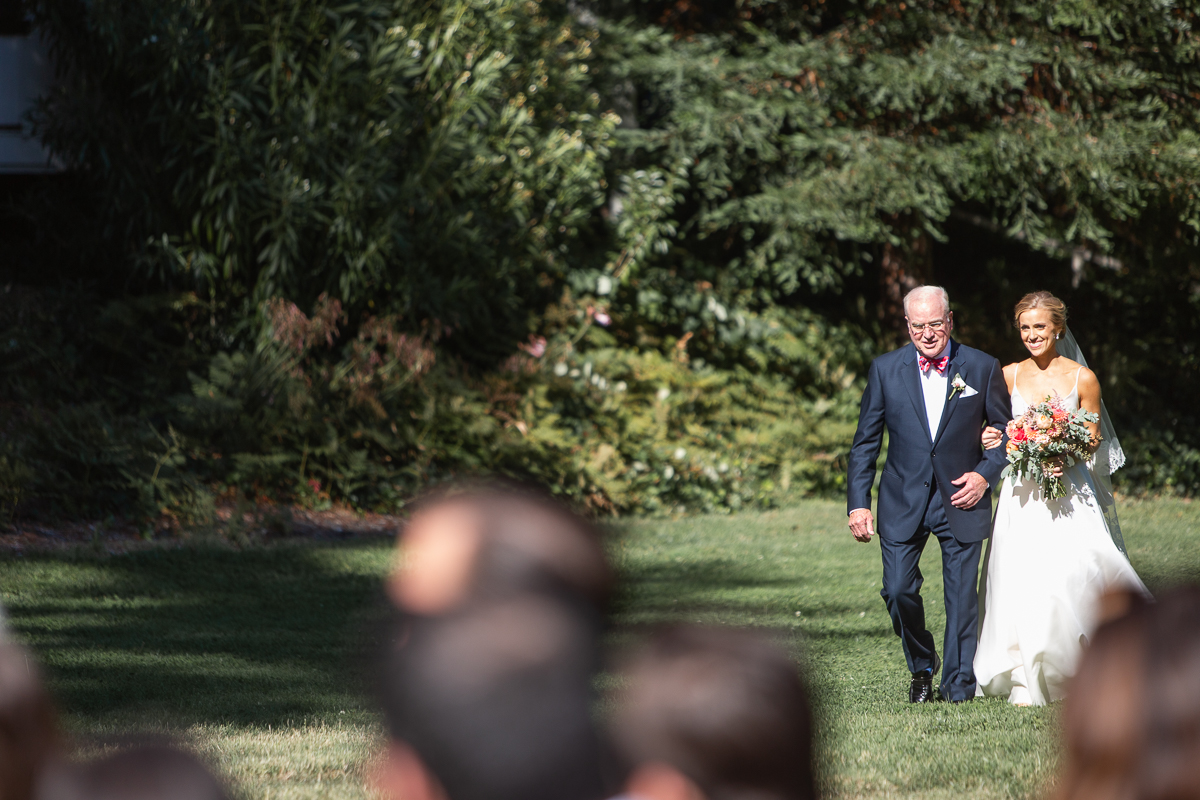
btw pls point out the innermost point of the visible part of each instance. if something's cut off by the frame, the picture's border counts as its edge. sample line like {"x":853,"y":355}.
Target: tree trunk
{"x":901,"y":270}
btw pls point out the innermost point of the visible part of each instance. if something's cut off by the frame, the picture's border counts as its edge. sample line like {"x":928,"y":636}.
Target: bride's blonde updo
{"x":1056,"y":307}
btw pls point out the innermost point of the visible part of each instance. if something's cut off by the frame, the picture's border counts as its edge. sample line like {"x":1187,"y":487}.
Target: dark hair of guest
{"x":1132,"y":719}
{"x":725,"y":707}
{"x":497,"y":700}
{"x":531,"y":541}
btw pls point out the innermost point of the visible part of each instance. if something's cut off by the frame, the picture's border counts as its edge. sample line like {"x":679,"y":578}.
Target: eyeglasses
{"x":919,"y":327}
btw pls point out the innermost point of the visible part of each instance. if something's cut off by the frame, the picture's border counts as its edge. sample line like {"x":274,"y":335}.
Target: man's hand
{"x":974,"y":486}
{"x":862,"y":524}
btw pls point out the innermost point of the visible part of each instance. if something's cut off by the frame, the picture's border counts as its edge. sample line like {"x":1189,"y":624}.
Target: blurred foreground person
{"x":28,"y":733}
{"x":150,"y":772}
{"x":492,"y":702}
{"x":480,"y":543}
{"x":714,"y":714}
{"x":1132,"y":721}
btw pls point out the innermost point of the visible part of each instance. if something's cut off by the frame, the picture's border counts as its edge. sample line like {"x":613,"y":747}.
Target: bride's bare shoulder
{"x":1069,"y":368}
{"x":1011,"y":369}
{"x":1010,"y":374}
{"x":1067,"y":365}
{"x":1088,"y":382}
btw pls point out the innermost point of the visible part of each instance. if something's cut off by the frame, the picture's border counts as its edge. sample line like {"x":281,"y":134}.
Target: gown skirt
{"x":1048,"y":563}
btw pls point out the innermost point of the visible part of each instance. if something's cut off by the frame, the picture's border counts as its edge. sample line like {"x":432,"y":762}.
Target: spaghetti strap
{"x":1076,"y":389}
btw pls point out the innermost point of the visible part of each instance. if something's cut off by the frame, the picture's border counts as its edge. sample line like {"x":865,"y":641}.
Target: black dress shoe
{"x":921,"y":688}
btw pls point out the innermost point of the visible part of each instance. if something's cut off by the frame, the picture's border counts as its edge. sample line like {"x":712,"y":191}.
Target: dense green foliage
{"x":640,"y":251}
{"x":258,"y":150}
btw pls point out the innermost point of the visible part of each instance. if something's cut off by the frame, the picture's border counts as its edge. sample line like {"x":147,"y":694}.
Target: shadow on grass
{"x":192,"y":635}
{"x":659,"y":588}
{"x":723,"y":589}
{"x":278,"y":634}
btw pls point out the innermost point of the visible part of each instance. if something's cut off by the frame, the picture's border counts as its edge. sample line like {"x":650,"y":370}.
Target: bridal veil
{"x":1108,"y":458}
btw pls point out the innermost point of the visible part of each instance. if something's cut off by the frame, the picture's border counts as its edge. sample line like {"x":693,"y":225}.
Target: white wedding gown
{"x":1047,"y":565}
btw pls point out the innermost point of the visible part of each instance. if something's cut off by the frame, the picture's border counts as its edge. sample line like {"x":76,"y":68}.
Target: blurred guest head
{"x":488,"y":541}
{"x":1132,"y":720}
{"x":28,"y":736}
{"x":492,"y":703}
{"x":149,"y":772}
{"x":716,"y":713}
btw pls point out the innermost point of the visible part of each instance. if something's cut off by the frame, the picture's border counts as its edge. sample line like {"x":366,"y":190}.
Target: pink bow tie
{"x":939,"y":364}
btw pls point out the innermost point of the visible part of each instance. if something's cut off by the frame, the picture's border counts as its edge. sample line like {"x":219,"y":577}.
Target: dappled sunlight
{"x":254,"y":655}
{"x":205,"y":635}
{"x":798,"y":572}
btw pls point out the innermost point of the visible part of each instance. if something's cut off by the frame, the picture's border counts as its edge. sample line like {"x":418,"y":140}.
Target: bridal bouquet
{"x":1047,"y":430}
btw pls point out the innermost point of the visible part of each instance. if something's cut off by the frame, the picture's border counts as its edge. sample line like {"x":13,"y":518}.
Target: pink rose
{"x":536,"y":346}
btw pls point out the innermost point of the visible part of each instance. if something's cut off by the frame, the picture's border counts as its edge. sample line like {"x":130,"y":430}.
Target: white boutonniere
{"x":957,"y":385}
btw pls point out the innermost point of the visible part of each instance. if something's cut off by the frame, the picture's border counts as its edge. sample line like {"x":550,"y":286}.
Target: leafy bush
{"x":430,"y":160}
{"x":371,"y":419}
{"x":640,"y":252}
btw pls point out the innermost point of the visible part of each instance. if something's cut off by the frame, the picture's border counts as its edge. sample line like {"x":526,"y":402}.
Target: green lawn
{"x":254,"y":656}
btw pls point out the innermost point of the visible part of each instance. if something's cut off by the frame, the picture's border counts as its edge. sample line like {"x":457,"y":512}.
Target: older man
{"x":934,"y":397}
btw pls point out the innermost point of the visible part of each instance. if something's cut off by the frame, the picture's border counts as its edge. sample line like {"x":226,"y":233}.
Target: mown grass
{"x":256,"y":656}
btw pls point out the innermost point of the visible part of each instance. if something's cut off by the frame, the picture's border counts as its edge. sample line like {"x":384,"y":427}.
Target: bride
{"x":1049,"y":561}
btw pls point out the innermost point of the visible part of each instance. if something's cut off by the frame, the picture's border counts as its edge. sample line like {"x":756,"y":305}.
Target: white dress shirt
{"x":935,"y":386}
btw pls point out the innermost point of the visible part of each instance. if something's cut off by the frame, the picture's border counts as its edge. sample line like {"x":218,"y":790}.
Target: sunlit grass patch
{"x":255,"y":657}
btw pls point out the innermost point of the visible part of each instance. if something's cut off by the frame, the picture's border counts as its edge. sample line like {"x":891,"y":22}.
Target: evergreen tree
{"x":641,"y":251}
{"x":815,"y":157}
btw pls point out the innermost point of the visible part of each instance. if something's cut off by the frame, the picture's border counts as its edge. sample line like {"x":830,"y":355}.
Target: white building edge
{"x":25,"y":73}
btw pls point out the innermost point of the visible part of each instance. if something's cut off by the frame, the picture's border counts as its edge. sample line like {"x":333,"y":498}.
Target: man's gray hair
{"x":923,"y":292}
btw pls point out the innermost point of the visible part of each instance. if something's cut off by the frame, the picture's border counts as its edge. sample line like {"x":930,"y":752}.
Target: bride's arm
{"x":1089,"y":400}
{"x":993,"y":437}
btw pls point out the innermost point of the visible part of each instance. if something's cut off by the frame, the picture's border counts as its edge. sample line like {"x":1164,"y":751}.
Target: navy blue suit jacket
{"x":894,"y":398}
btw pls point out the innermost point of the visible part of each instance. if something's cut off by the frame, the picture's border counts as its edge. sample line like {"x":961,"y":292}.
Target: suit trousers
{"x":901,"y":592}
